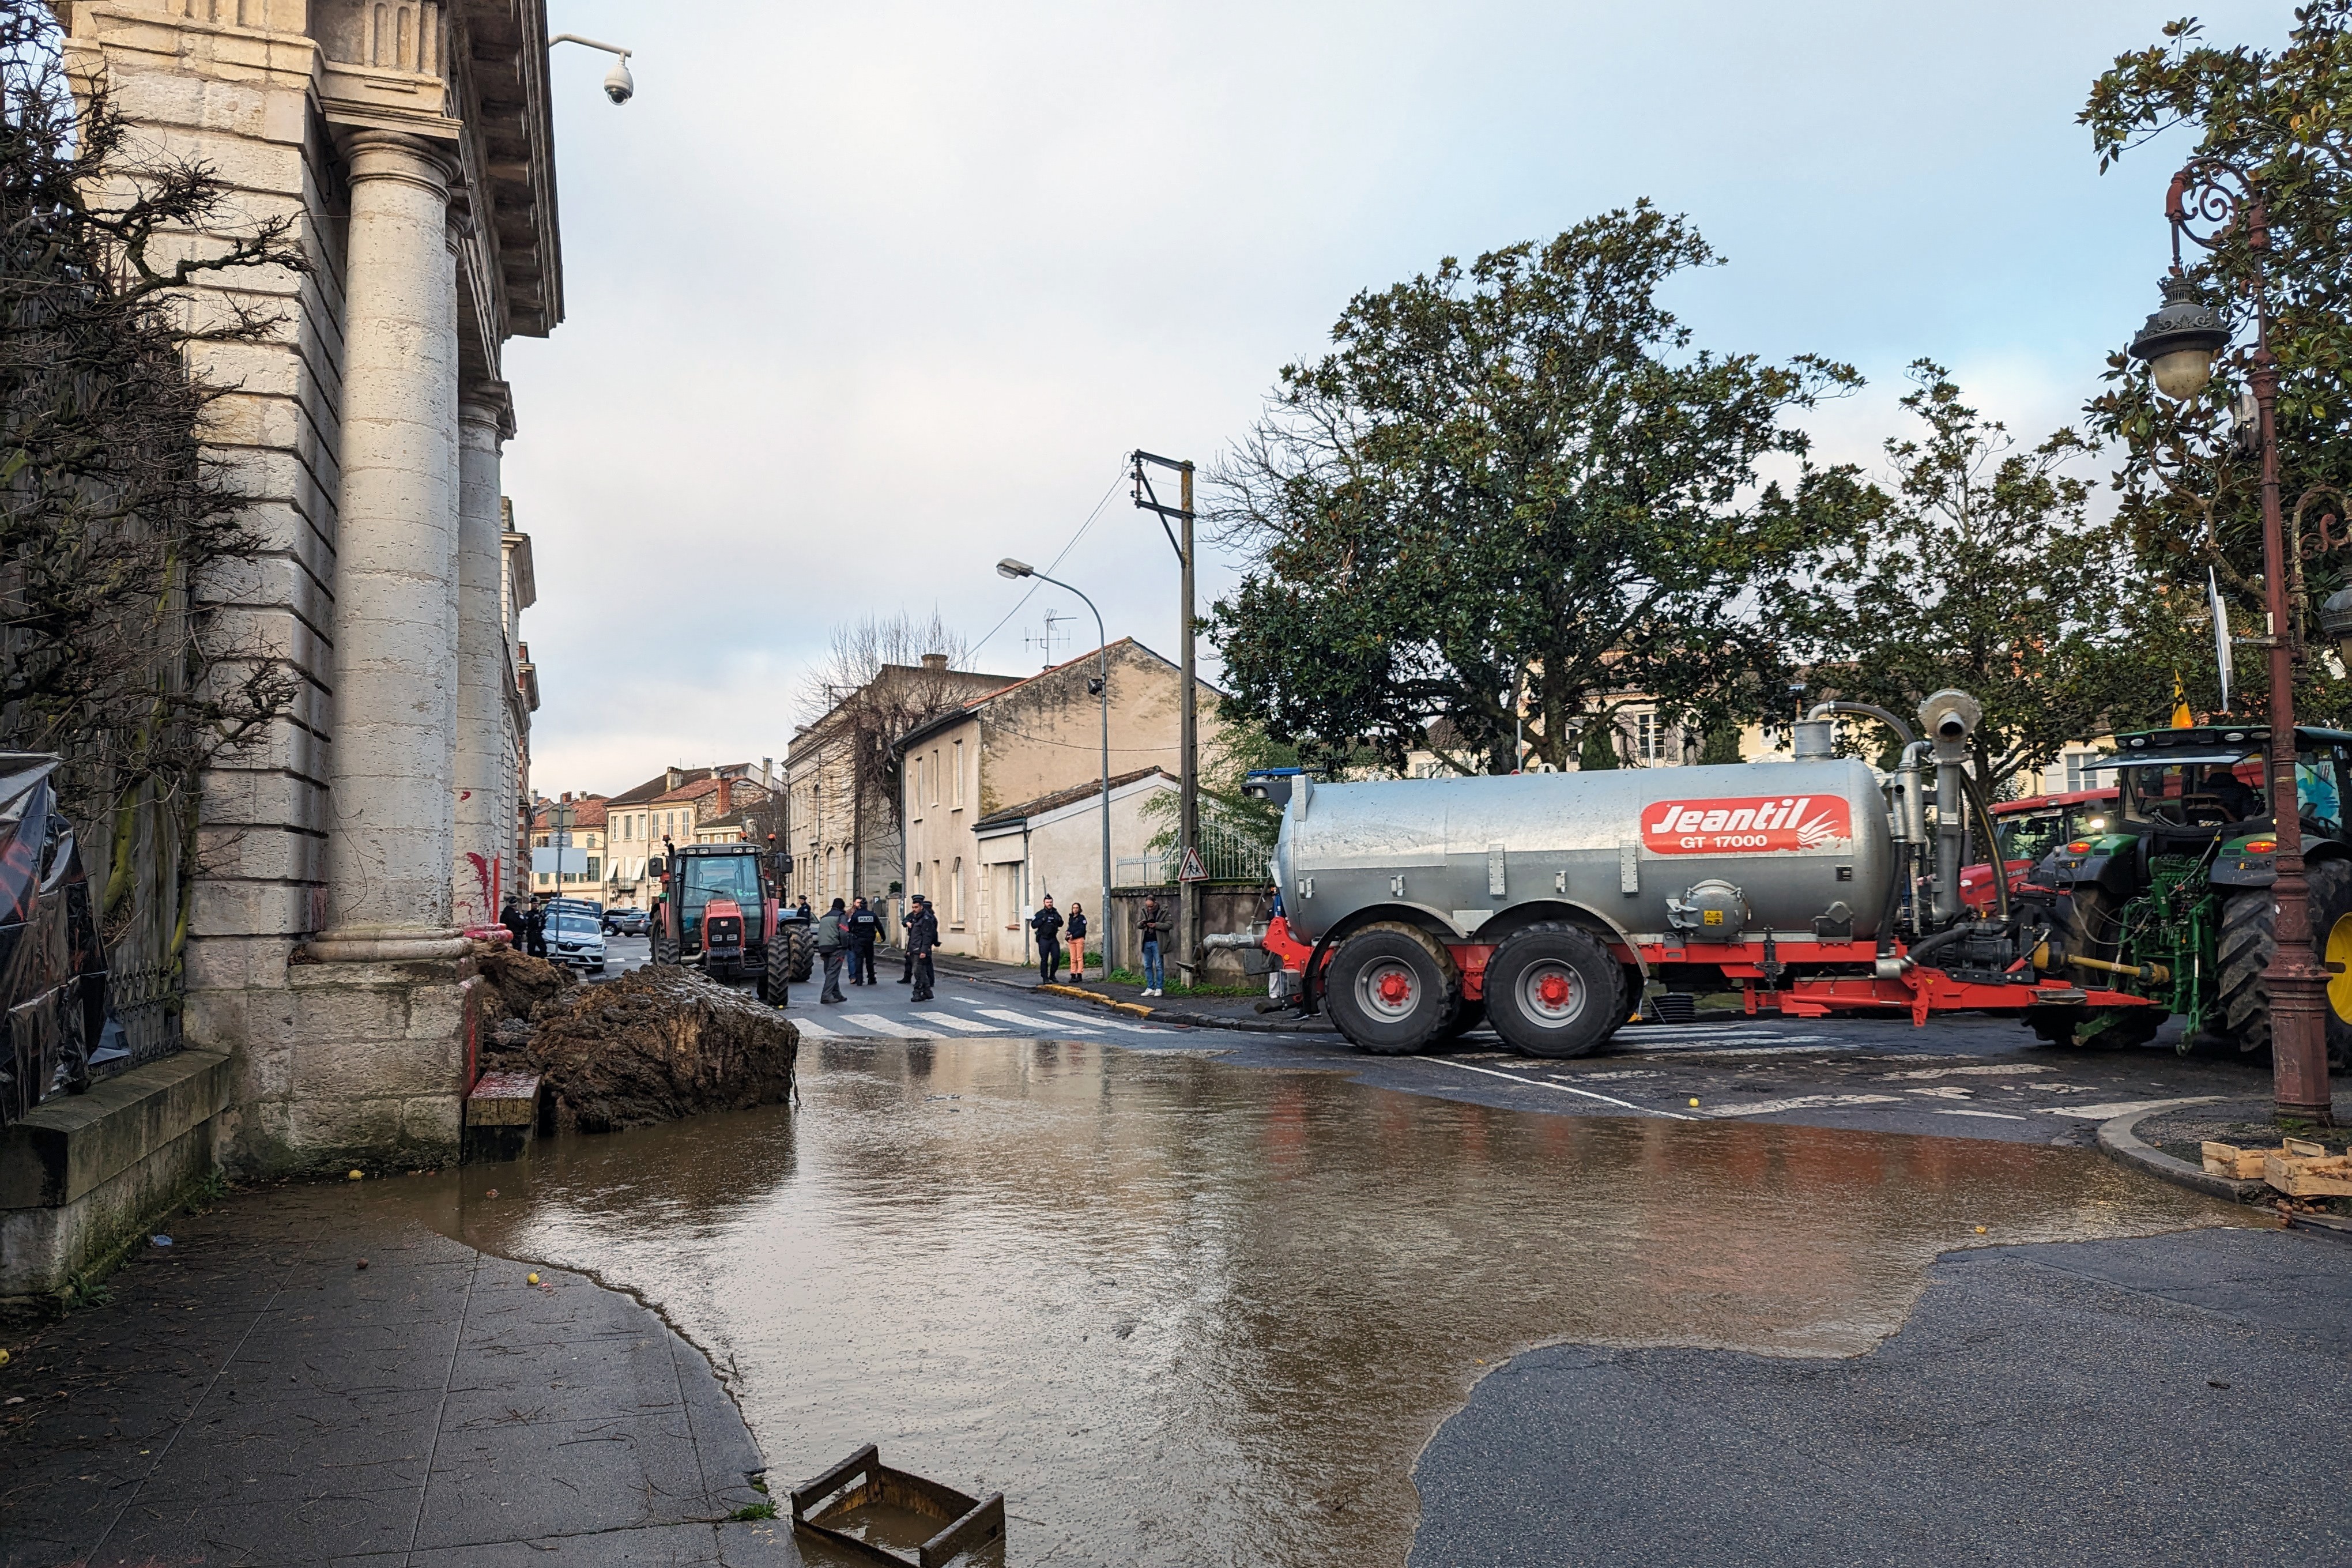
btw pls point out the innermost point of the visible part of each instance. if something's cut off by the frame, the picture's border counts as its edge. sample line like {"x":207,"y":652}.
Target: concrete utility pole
{"x":1188,"y":741}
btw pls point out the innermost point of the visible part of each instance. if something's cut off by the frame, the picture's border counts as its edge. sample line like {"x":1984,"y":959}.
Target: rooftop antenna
{"x":1044,"y":643}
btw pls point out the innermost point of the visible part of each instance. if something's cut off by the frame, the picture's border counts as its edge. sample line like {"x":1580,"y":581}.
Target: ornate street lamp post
{"x":2180,"y":342}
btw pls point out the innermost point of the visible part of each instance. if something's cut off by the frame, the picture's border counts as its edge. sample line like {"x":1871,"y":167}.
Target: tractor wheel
{"x":665,"y":949}
{"x":1552,"y":990}
{"x":2090,"y":924}
{"x":799,"y":960}
{"x":1391,"y":988}
{"x":2331,"y":939}
{"x":773,"y":989}
{"x":2248,"y":940}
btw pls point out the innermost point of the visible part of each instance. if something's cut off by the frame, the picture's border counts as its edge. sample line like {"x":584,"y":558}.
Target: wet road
{"x":1183,"y":1313}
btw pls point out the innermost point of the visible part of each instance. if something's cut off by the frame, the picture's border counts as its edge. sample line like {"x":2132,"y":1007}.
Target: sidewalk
{"x":253,"y":1396}
{"x":1207,"y":1012}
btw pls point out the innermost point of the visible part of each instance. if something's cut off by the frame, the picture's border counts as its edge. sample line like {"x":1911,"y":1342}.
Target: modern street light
{"x":2180,"y":342}
{"x":1008,"y":567}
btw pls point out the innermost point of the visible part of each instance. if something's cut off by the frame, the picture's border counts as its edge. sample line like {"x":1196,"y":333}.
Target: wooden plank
{"x":2238,"y":1164}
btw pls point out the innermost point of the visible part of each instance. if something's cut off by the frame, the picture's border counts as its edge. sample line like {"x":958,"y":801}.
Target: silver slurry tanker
{"x":1631,"y":847}
{"x":1553,"y":870}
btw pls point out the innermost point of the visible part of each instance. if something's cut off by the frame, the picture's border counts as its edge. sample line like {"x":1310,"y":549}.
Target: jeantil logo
{"x":1750,"y":825}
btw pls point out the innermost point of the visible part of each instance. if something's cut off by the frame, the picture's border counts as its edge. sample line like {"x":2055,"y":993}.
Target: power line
{"x":1117,"y":479}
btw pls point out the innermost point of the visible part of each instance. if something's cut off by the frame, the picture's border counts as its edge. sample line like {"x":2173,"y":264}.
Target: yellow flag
{"x":2181,"y":717}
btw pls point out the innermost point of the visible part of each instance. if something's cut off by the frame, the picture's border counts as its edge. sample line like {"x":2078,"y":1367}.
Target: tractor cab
{"x":714,"y":906}
{"x":2203,"y":792}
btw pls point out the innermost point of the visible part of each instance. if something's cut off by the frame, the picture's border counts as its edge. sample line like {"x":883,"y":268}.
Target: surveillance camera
{"x":619,"y":85}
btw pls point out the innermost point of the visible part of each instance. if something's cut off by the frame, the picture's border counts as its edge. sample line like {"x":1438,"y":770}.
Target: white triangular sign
{"x":1192,"y":871}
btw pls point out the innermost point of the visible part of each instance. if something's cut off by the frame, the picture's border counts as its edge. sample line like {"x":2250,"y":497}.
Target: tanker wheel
{"x":1466,"y":1017}
{"x":1392,"y":989}
{"x":1552,"y":990}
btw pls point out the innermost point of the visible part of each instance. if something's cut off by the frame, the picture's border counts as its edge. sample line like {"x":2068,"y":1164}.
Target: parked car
{"x":575,"y":938}
{"x":52,"y":964}
{"x":627,"y":922}
{"x":589,"y":907}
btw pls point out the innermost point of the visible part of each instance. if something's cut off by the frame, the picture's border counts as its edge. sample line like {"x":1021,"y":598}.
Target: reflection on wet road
{"x":1183,"y":1313}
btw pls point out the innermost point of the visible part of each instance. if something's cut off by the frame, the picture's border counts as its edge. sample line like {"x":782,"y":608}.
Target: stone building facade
{"x":1016,"y":746}
{"x":342,"y":862}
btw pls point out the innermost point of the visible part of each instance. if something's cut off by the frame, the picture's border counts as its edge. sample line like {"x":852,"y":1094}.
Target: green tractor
{"x":2173,"y":901}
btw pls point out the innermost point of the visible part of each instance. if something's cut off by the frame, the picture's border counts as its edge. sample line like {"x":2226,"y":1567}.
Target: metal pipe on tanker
{"x":1950,"y":717}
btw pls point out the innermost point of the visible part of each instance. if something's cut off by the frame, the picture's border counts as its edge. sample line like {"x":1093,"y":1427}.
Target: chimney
{"x":937,"y":662}
{"x":567,"y":798}
{"x":674,"y":777}
{"x":726,"y":796}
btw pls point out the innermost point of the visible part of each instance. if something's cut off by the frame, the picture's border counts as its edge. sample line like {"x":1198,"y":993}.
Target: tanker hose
{"x":1992,"y":843}
{"x":1865,"y":710}
{"x":1949,"y":935}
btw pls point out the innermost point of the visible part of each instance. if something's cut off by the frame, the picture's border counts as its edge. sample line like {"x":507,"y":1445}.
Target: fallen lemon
{"x":1980,"y":1230}
{"x":533,"y":1278}
{"x":1693,"y":1103}
{"x":4,"y":1358}
{"x":355,"y":1175}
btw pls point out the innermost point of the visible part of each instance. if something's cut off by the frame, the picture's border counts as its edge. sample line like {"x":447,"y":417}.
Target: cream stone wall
{"x":410,"y":144}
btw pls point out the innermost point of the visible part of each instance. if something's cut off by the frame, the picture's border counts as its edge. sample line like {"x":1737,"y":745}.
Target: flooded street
{"x":1181,"y":1312}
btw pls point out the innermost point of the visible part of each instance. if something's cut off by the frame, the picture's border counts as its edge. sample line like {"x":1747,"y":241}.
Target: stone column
{"x":391,"y":833}
{"x":484,"y":802}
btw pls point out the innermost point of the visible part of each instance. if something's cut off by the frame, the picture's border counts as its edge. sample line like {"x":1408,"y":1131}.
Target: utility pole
{"x":1188,"y":735}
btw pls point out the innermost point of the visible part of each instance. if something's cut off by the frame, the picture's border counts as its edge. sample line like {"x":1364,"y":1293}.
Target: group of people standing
{"x":844,"y":936}
{"x":1050,"y":928}
{"x":527,"y":926}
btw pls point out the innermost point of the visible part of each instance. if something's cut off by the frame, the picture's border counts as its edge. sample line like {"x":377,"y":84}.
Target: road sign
{"x":1192,"y":871}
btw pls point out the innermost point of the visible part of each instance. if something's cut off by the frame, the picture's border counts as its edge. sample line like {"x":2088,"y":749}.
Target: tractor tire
{"x":773,"y":989}
{"x":2089,"y":922}
{"x":664,"y":950}
{"x":2242,"y":1001}
{"x":800,"y":962}
{"x":1391,"y":988}
{"x":2331,"y":943}
{"x":1553,"y":990}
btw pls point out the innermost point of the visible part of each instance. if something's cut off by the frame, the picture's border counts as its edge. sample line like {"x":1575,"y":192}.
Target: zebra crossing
{"x":977,"y":1019}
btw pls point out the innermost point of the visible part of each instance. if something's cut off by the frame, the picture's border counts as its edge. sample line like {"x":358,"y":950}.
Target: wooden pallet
{"x":2238,"y":1164}
{"x":2302,"y":1169}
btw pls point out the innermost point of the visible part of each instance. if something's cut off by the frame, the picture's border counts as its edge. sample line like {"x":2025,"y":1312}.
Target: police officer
{"x":922,"y":935}
{"x":1047,"y":923}
{"x":864,"y":929}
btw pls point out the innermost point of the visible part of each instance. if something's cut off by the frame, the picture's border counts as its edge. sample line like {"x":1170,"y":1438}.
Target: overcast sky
{"x":861,"y":298}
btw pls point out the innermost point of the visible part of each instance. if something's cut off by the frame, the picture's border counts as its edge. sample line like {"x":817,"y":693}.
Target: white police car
{"x":575,"y":938}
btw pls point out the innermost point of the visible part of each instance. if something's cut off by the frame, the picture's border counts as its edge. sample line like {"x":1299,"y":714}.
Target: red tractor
{"x":719,"y":909}
{"x":2030,"y":829}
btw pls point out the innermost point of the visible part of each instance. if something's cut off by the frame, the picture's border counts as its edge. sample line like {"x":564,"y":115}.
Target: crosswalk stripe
{"x":1027,"y":1022}
{"x":951,"y":1021}
{"x":882,"y":1026}
{"x":1097,"y":1018}
{"x":815,"y":1031}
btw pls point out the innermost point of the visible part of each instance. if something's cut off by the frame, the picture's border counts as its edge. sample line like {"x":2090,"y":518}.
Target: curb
{"x":1159,"y":1014}
{"x":2119,"y":1142}
{"x":1097,"y":997}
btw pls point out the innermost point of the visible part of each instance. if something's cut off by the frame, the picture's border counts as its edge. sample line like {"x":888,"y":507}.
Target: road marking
{"x":2120,"y":1108}
{"x":1805,"y":1102}
{"x":1991,"y":1115}
{"x":951,"y":1021}
{"x":1988,"y":1071}
{"x":1703,"y":1049}
{"x":1563,"y":1088}
{"x":881,"y":1024}
{"x":1108,"y":1023}
{"x":1027,"y":1022}
{"x":814,"y":1031}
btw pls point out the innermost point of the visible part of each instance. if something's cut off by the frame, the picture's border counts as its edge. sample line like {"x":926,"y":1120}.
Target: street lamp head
{"x":1009,"y":567}
{"x":2336,"y":621}
{"x":2180,"y":342}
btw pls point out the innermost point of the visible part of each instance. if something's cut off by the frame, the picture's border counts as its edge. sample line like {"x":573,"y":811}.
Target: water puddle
{"x":1181,"y":1312}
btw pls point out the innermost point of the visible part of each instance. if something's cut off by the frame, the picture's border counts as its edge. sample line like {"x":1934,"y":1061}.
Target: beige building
{"x":1024,"y":744}
{"x":568,"y":849}
{"x":681,"y":804}
{"x":1052,"y":848}
{"x":841,"y":777}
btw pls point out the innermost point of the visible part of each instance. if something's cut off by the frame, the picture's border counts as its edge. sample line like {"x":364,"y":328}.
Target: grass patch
{"x":751,"y":1511}
{"x":1132,"y":977}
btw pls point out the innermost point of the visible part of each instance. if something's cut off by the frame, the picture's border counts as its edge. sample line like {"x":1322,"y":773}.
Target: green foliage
{"x":2190,"y":492}
{"x":751,"y":1511}
{"x":1981,"y":571}
{"x":1518,"y":477}
{"x":1596,"y":746}
{"x":1721,"y":746}
{"x":1239,"y":747}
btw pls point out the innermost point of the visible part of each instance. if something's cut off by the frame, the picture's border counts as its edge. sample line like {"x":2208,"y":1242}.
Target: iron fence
{"x":1226,"y":856}
{"x":143,"y":1007}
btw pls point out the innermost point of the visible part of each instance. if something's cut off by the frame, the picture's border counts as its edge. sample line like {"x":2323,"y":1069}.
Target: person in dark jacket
{"x":1047,"y":923}
{"x":534,"y":929}
{"x":511,"y":918}
{"x":865,"y":930}
{"x":831,"y":936}
{"x":922,"y":935}
{"x":907,"y":936}
{"x":1075,"y":931}
{"x":1152,"y":927}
